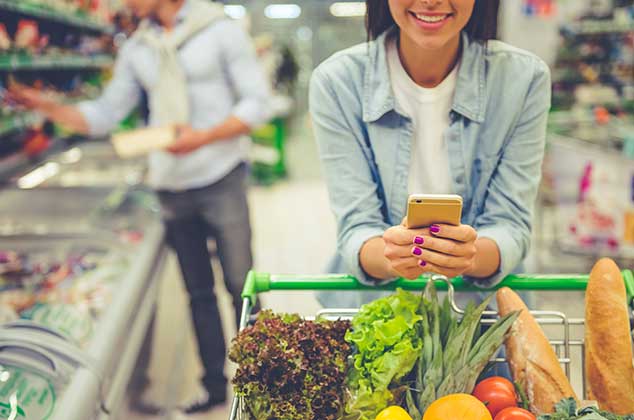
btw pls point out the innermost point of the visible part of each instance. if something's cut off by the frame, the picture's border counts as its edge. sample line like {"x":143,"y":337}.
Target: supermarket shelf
{"x":593,"y":27}
{"x":42,"y":11}
{"x":12,"y":62}
{"x":18,"y":122}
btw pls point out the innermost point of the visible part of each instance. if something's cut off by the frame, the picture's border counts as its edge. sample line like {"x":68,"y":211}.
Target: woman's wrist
{"x":373,"y":261}
{"x":487,"y":259}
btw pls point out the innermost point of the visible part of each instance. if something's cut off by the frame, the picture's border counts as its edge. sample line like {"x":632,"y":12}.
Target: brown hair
{"x":482,"y":26}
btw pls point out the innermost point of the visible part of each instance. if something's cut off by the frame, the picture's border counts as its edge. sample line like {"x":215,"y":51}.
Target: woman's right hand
{"x":399,"y":241}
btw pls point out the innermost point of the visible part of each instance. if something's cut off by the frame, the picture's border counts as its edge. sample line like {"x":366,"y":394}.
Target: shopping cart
{"x":558,"y":325}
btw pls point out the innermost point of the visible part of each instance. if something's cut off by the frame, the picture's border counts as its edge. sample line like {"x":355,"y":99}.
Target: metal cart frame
{"x":258,"y":283}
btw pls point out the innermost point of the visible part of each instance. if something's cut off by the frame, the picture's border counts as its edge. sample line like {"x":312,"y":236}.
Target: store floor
{"x":294,"y":232}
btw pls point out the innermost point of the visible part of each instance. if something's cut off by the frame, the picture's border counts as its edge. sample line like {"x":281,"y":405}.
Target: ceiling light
{"x":235,"y":11}
{"x":348,"y":9}
{"x":282,"y":11}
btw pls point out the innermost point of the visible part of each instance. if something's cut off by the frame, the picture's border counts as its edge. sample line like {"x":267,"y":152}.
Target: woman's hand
{"x":441,"y":249}
{"x":399,"y":242}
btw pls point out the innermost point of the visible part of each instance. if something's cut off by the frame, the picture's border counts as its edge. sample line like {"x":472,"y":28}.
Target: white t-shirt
{"x":429,"y":110}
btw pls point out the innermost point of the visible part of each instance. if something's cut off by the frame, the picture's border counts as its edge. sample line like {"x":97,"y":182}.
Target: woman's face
{"x":431,"y":24}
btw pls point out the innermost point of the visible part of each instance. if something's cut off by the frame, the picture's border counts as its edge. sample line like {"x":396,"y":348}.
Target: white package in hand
{"x":140,"y":142}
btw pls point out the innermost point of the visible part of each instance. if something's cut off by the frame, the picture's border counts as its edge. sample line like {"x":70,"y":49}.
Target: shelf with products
{"x":23,"y":131}
{"x":599,"y":27}
{"x":38,"y":9}
{"x":15,"y":62}
{"x":18,"y":121}
{"x":606,"y":75}
{"x":595,"y":60}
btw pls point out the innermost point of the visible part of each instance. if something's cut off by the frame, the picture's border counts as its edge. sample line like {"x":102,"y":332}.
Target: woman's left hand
{"x":448,"y":250}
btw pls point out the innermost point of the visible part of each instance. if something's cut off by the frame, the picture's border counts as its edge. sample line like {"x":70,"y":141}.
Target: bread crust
{"x":534,"y":364}
{"x":608,"y":340}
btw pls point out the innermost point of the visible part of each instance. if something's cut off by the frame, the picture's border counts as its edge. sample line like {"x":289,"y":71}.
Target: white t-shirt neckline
{"x":429,"y":109}
{"x":403,"y":80}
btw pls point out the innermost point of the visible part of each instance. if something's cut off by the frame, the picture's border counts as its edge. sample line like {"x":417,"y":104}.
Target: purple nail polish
{"x":422,"y":263}
{"x":417,"y":251}
{"x":419,"y":240}
{"x":434,"y":229}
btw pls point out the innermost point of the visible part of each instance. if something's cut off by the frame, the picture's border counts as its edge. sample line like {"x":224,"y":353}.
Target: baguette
{"x":609,"y":369}
{"x":534,"y":364}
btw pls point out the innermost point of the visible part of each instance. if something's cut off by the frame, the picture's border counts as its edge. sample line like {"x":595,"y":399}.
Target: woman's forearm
{"x":373,"y":261}
{"x":487,"y":260}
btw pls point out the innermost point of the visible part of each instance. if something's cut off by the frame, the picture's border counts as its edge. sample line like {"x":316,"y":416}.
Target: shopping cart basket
{"x":556,"y":324}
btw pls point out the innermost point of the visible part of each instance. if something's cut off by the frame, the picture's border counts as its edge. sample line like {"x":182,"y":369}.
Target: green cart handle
{"x":257,"y":283}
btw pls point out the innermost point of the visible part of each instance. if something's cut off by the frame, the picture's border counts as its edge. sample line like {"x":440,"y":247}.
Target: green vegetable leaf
{"x":522,"y":394}
{"x":567,"y":406}
{"x":387,"y":342}
{"x":411,"y":405}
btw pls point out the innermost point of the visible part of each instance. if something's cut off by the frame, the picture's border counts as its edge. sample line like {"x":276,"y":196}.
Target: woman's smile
{"x":430,"y":21}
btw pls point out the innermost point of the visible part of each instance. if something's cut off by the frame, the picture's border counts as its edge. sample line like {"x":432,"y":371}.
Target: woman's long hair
{"x":482,"y":26}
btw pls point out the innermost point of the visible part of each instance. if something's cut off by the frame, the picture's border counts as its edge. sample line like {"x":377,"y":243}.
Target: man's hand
{"x":188,"y":140}
{"x":29,"y":97}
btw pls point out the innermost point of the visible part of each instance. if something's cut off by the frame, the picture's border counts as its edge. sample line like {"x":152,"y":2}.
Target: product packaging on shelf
{"x":27,"y":36}
{"x":5,"y":39}
{"x":628,"y":236}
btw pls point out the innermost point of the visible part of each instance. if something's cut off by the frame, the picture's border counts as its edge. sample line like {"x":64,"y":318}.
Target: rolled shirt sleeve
{"x":119,"y":98}
{"x":352,"y":190}
{"x":246,"y":76}
{"x":510,"y":200}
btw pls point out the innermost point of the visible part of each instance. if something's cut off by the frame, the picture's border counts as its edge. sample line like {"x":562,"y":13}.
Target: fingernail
{"x":434,"y":229}
{"x":417,"y":251}
{"x":422,"y":263}
{"x":419,"y":240}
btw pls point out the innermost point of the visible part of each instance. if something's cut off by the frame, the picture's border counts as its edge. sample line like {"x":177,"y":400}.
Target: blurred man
{"x":200,"y":72}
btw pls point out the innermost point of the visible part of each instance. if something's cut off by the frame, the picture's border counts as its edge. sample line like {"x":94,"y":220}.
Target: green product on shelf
{"x":272,"y":137}
{"x":16,"y":122}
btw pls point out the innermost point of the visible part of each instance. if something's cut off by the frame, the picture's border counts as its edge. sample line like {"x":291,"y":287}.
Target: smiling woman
{"x":481,"y":25}
{"x":432,"y":104}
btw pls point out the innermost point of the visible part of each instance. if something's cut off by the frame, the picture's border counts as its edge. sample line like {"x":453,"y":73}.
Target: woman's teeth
{"x":431,"y":19}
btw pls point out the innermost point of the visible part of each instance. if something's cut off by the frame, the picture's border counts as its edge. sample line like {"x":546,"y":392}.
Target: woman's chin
{"x":430,"y":43}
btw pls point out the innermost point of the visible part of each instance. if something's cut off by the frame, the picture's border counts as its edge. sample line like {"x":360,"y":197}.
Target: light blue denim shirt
{"x":224,"y":79}
{"x":495,"y":142}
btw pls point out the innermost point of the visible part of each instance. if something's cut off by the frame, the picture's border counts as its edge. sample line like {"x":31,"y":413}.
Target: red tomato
{"x":515,"y":413}
{"x":496,"y":393}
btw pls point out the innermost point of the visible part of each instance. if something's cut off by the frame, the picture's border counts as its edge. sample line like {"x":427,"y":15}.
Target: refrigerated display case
{"x":80,"y":260}
{"x":89,"y":164}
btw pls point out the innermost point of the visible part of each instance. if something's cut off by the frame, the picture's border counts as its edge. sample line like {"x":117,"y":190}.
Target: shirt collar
{"x":178,"y":19}
{"x":183,"y":11}
{"x":469,"y":99}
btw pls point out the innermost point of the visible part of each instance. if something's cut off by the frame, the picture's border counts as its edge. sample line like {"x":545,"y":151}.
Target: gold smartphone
{"x":424,"y":210}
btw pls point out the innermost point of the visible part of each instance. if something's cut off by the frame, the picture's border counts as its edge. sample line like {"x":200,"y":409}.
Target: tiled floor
{"x":294,"y":233}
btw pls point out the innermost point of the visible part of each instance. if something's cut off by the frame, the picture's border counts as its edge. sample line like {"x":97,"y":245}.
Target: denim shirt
{"x":495,"y":143}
